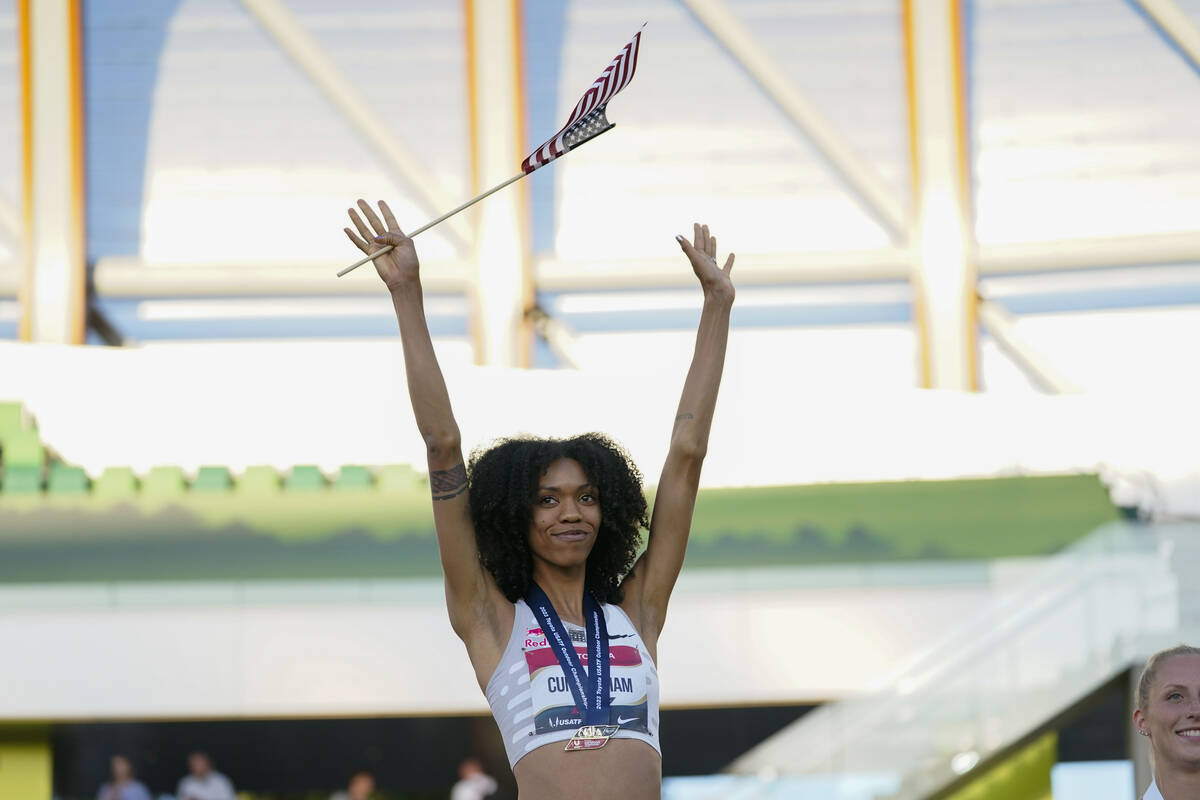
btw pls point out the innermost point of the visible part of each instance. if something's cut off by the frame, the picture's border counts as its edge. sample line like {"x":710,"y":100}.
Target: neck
{"x":1178,"y":785}
{"x":564,"y":588}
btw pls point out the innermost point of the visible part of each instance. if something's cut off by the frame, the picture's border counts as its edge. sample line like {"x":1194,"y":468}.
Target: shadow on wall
{"x":545,"y":24}
{"x":123,"y":45}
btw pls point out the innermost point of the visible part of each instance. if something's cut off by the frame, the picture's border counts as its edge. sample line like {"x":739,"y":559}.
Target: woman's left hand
{"x":702,"y":252}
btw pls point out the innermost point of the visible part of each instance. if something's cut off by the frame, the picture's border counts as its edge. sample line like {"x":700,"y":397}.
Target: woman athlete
{"x":1168,"y":712}
{"x":538,"y":539}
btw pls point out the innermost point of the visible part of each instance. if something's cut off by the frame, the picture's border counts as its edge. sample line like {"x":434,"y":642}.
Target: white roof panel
{"x":208,"y":143}
{"x":1086,"y":123}
{"x":697,"y":138}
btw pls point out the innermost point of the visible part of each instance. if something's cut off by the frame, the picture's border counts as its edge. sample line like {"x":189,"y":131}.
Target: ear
{"x":1139,"y":722}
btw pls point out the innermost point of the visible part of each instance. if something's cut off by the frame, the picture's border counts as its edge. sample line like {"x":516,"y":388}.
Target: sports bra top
{"x":532,"y":702}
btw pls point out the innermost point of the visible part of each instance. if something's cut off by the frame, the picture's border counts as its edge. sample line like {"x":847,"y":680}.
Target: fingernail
{"x":679,"y":238}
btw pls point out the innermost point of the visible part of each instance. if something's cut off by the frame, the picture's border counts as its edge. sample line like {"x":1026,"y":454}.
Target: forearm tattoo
{"x":448,"y":483}
{"x":684,"y":416}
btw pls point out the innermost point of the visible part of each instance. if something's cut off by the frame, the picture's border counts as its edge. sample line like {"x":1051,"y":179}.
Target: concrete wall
{"x":138,"y":651}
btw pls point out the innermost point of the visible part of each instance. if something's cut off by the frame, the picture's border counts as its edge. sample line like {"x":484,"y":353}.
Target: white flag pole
{"x":442,"y":218}
{"x":468,"y":204}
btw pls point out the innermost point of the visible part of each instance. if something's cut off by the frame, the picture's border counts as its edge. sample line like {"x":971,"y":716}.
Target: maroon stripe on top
{"x":618,"y":656}
{"x":615,"y":77}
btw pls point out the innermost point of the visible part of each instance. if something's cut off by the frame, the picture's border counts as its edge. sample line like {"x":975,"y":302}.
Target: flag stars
{"x":582,"y":127}
{"x":591,"y":125}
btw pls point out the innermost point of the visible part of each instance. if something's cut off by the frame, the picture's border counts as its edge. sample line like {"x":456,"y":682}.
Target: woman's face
{"x":1172,"y":714}
{"x":566,"y":515}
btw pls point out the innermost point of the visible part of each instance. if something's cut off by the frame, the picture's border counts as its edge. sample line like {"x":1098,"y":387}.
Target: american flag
{"x":587,"y":120}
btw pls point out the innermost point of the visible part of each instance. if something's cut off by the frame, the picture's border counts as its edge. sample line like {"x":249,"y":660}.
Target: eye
{"x":1174,"y":695}
{"x":547,"y":500}
{"x":588,"y":497}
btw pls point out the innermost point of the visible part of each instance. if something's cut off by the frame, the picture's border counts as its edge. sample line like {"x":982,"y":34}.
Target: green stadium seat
{"x":212,"y":479}
{"x":66,"y":479}
{"x":397,"y":478}
{"x":164,"y":482}
{"x":115,"y":483}
{"x":11,"y":419}
{"x":23,"y":449}
{"x":353,"y":478}
{"x":259,"y":480}
{"x":305,"y":478}
{"x":21,"y":479}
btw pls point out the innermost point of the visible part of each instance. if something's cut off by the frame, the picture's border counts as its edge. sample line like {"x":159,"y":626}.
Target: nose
{"x":568,"y":510}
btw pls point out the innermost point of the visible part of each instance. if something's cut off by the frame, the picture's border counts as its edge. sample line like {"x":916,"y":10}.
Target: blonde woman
{"x":1168,"y":712}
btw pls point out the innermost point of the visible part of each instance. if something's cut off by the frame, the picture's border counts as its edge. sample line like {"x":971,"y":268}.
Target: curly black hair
{"x":503,"y":481}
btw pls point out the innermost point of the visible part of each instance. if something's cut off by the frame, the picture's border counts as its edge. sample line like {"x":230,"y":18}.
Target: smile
{"x":571,"y":536}
{"x":1190,"y":733}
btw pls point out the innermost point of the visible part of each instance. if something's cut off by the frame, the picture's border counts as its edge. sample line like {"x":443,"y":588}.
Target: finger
{"x":392,"y":238}
{"x":728,"y":264}
{"x":371,"y":216}
{"x":707,"y":249}
{"x":363,"y":230}
{"x":712,"y":248}
{"x":698,"y":237}
{"x":388,"y":217}
{"x":688,"y":250}
{"x":359,"y":243}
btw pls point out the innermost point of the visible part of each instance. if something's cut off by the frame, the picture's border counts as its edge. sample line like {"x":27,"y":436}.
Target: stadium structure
{"x":951,"y":498}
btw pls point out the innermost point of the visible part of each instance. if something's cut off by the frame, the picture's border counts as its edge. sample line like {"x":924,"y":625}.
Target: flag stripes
{"x":616,"y":76}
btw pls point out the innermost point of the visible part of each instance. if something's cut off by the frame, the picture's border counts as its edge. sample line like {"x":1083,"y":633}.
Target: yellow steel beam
{"x":54,"y":283}
{"x":944,"y":272}
{"x":504,"y":289}
{"x":1177,"y":26}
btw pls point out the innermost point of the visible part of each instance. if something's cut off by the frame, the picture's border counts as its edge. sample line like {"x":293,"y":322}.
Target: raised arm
{"x":648,"y":587}
{"x":472,"y":597}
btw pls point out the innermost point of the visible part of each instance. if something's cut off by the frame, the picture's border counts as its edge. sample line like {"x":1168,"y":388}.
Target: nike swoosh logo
{"x":622,"y":720}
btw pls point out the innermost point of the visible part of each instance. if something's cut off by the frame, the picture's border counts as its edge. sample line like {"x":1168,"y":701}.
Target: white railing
{"x":1032,"y":654}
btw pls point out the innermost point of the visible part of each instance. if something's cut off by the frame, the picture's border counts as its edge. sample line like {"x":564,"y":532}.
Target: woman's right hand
{"x":396,"y":268}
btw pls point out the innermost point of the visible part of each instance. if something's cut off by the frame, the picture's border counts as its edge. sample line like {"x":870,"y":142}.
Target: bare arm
{"x":648,"y":587}
{"x":472,"y":597}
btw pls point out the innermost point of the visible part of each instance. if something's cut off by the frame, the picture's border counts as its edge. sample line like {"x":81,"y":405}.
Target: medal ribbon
{"x":589,"y":689}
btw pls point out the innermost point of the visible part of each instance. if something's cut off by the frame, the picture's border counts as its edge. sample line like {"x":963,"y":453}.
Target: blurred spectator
{"x":123,"y":786}
{"x":362,"y":784}
{"x":203,"y":782}
{"x":473,"y":782}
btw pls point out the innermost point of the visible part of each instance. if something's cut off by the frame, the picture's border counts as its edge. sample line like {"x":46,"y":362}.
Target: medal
{"x":591,"y":737}
{"x":590,"y":690}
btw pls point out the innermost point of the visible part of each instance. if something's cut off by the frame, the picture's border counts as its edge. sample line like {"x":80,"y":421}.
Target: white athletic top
{"x":1152,"y":793}
{"x":530,"y":698}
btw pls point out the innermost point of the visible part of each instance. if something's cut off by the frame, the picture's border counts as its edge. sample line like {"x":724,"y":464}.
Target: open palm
{"x":702,"y":252}
{"x":398,"y":265}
